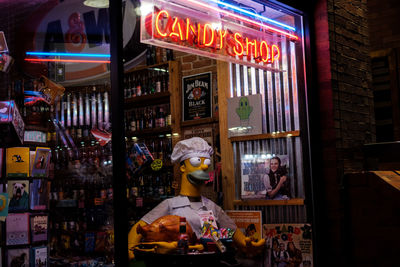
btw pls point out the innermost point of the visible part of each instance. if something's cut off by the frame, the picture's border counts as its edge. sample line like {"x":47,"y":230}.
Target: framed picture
{"x":197,"y":96}
{"x":244,"y":115}
{"x":265,"y":176}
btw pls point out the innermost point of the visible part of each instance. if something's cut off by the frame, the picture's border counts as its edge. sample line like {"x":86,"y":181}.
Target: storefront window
{"x":56,"y":148}
{"x":236,"y":79}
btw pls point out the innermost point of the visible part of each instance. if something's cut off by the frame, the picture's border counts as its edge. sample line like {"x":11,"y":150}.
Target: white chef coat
{"x":181,"y":206}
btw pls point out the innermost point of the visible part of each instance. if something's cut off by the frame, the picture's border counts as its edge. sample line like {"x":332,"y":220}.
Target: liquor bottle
{"x":133,"y":86}
{"x":150,"y":118}
{"x":93,"y":110}
{"x":87,"y":117}
{"x":133,"y":122}
{"x":170,"y":54}
{"x":183,"y":244}
{"x":145,"y":85}
{"x":149,"y":56}
{"x":106,"y":112}
{"x":80,"y":116}
{"x":125,"y":87}
{"x":152,"y":83}
{"x":138,"y":87}
{"x":99,"y":111}
{"x":158,"y":81}
{"x":165,"y":80}
{"x":68,"y":111}
{"x":129,"y":86}
{"x":74,"y":116}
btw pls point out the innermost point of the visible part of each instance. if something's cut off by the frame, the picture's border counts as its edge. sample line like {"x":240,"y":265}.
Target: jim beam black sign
{"x":197,"y":91}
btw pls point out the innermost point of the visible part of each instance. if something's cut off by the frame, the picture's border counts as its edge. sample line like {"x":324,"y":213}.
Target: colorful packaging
{"x":42,"y":160}
{"x":40,"y":190}
{"x":18,"y":192}
{"x":39,"y":257}
{"x":17,"y":162}
{"x":17,"y":229}
{"x":18,"y":257}
{"x":39,"y":226}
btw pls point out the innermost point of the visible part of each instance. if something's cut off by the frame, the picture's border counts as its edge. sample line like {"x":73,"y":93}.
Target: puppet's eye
{"x":207,"y":162}
{"x":195,"y":161}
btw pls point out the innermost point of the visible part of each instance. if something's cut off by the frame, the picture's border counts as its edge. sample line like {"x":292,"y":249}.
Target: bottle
{"x":133,"y":122}
{"x":152,"y":81}
{"x":183,"y":245}
{"x":158,"y":81}
{"x":125,"y":87}
{"x":129,"y":88}
{"x":138,"y":87}
{"x":133,"y":86}
{"x":170,"y":54}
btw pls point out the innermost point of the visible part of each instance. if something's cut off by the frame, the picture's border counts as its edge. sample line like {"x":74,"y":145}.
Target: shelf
{"x":151,"y":132}
{"x":146,"y":100}
{"x":199,"y":122}
{"x":264,"y":136}
{"x":266,"y":202}
{"x":144,"y":67}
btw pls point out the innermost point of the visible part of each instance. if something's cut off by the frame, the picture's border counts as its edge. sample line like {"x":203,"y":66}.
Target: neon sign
{"x":230,"y":37}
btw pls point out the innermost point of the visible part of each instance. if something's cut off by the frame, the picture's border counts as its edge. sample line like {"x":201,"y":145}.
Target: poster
{"x":265,"y":176}
{"x":249,"y":222}
{"x":288,"y":245}
{"x":244,"y":115}
{"x":197,"y":96}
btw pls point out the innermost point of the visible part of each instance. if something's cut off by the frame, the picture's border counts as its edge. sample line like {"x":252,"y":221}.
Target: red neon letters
{"x":187,"y":33}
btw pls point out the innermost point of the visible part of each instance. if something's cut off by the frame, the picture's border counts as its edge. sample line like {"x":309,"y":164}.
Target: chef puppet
{"x":194,"y":156}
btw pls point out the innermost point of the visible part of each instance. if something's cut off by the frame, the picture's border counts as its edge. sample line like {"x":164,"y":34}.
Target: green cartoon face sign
{"x":244,"y":110}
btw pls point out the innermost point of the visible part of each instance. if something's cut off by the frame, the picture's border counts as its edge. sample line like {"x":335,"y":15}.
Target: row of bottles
{"x":154,"y":185}
{"x":147,"y":118}
{"x":87,"y":194}
{"x":156,"y":55}
{"x":88,"y":155}
{"x":79,"y":112}
{"x":146,"y":82}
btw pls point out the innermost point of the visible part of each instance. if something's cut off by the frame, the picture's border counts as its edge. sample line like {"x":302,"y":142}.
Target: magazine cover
{"x":18,"y":257}
{"x":265,"y":177}
{"x":17,"y":229}
{"x":17,"y":162}
{"x":39,"y":226}
{"x":41,"y":162}
{"x":40,"y":190}
{"x":288,"y":245}
{"x":39,"y":257}
{"x":18,"y":192}
{"x":249,"y":222}
{"x":3,"y":204}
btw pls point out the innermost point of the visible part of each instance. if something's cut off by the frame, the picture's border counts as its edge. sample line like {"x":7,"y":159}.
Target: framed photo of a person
{"x":265,"y":177}
{"x":197,"y":96}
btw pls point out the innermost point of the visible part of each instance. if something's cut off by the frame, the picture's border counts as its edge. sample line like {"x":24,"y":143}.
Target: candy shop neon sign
{"x":184,"y":32}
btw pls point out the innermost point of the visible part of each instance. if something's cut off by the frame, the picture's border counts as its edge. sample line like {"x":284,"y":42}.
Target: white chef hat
{"x":190,"y":148}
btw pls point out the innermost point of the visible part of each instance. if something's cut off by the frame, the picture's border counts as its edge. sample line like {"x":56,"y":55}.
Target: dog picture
{"x":19,"y":192}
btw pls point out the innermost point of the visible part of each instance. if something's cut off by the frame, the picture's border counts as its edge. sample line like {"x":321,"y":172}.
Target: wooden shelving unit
{"x":150,"y":132}
{"x":144,"y":100}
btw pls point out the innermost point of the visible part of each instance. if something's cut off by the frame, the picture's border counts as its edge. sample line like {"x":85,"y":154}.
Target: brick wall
{"x":346,"y":111}
{"x":383,"y":18}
